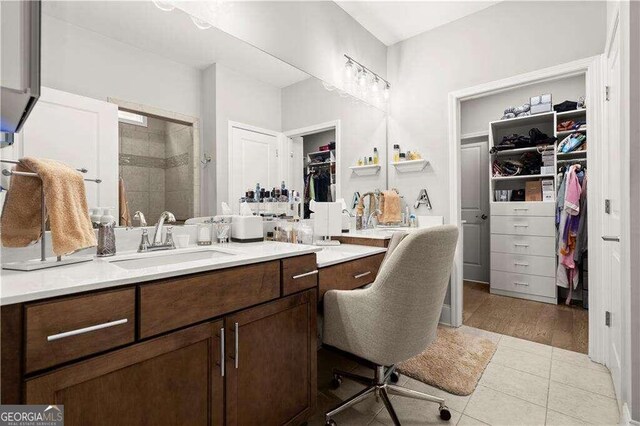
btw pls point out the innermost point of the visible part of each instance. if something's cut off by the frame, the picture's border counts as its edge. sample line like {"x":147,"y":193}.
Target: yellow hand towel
{"x":390,"y":207}
{"x":65,"y":201}
{"x":125,"y":216}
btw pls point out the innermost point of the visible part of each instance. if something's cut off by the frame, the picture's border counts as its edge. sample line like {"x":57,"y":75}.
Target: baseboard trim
{"x":445,"y":315}
{"x":625,"y":417}
{"x":479,"y":282}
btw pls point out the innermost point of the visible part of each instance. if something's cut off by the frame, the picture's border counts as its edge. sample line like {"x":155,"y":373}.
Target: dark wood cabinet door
{"x":171,"y":380}
{"x":271,"y":371}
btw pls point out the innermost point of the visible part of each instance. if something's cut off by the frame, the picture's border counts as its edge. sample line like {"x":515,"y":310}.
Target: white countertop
{"x":18,"y":286}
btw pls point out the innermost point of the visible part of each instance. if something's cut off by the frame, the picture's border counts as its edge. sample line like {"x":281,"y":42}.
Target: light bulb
{"x":362,"y":78}
{"x":163,"y":5}
{"x":375,"y":85}
{"x":203,"y":25}
{"x":386,"y":92}
{"x":348,"y":70}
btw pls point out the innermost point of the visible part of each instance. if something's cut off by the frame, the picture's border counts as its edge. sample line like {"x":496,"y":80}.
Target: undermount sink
{"x":170,"y":257}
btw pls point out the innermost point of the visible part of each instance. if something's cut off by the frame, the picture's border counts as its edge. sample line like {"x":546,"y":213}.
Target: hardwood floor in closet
{"x":560,"y":326}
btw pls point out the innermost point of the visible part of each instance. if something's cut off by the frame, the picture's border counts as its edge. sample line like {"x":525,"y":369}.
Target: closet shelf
{"x":565,"y":133}
{"x":368,"y":170}
{"x":522,"y":177}
{"x":571,"y":114}
{"x":528,"y":120}
{"x":516,"y":151}
{"x":320,"y":153}
{"x":411,"y":165}
{"x":570,"y":155}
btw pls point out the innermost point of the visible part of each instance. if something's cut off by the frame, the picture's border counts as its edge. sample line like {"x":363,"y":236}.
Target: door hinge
{"x":277,"y":153}
{"x":607,"y":319}
{"x":607,"y":206}
{"x":607,"y":89}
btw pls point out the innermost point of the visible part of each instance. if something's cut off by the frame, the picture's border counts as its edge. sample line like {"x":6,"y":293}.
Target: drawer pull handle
{"x":364,"y":274}
{"x":306,"y":274}
{"x":520,"y":245}
{"x":237,"y":338}
{"x":611,"y":238}
{"x":222,"y":352}
{"x":86,"y":329}
{"x":517,"y":209}
{"x":520,"y":264}
{"x":524,"y":284}
{"x":515,"y":225}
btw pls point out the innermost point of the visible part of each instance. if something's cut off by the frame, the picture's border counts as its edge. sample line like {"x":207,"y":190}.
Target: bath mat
{"x":454,"y":362}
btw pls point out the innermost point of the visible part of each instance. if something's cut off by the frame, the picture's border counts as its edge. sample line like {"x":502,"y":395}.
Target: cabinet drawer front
{"x":74,"y":327}
{"x":530,"y":225}
{"x":524,"y":244}
{"x":523,"y":283}
{"x":524,"y":264}
{"x":350,"y":275}
{"x":523,"y":209}
{"x":179,"y":302}
{"x":299,"y":273}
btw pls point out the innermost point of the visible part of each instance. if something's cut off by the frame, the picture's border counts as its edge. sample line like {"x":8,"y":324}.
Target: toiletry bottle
{"x":370,"y":160}
{"x":376,"y":158}
{"x":106,"y":235}
{"x":396,"y":153}
{"x":95,"y":217}
{"x":257,"y":193}
{"x":359,"y":217}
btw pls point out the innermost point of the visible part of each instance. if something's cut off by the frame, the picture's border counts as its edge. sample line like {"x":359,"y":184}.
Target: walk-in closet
{"x":319,"y":158}
{"x":524,"y":200}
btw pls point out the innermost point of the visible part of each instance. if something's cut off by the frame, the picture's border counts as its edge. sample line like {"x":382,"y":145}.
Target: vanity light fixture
{"x":165,"y":6}
{"x":366,"y":80}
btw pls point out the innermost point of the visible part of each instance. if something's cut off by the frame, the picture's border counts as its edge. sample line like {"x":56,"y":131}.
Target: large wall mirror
{"x":174,"y":114}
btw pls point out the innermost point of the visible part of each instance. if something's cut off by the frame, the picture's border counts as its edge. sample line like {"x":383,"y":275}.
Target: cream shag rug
{"x":454,"y":362}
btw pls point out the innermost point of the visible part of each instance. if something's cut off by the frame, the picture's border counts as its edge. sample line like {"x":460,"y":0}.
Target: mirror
{"x":174,"y":114}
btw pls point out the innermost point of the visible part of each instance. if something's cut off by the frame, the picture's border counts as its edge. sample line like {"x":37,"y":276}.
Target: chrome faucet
{"x":157,"y":243}
{"x":374,"y":214}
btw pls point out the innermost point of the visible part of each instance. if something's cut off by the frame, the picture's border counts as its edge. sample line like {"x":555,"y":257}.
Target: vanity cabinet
{"x":170,"y":380}
{"x":349,"y":275}
{"x":271,"y":362}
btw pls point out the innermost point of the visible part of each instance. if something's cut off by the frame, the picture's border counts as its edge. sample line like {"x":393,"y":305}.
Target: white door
{"x":79,"y":131}
{"x":475,"y":210}
{"x":254,"y":159}
{"x":612,"y":268}
{"x":297,"y":164}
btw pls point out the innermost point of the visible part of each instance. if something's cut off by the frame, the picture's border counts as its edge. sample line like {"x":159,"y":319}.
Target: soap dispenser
{"x":106,"y":234}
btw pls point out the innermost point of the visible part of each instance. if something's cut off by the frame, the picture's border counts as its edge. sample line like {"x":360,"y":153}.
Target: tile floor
{"x":526,"y":383}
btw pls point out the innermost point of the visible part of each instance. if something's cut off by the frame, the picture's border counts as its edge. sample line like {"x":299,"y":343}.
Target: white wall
{"x":363,"y":127}
{"x":86,"y":63}
{"x":477,"y":113}
{"x":310,"y":35}
{"x":245,"y":100}
{"x":635,"y":208}
{"x":495,"y":43}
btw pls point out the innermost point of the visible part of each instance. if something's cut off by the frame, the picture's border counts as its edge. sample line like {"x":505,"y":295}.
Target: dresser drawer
{"x":523,"y":283}
{"x":524,"y":244}
{"x":299,"y":273}
{"x":350,"y":275}
{"x":523,"y":209}
{"x":75,"y":327}
{"x":524,"y":264}
{"x":530,"y":225}
{"x":175,"y":303}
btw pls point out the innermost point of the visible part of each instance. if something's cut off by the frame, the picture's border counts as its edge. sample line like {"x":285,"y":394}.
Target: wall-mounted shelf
{"x":368,"y":170}
{"x":410,"y":165}
{"x":522,"y":177}
{"x":571,"y":114}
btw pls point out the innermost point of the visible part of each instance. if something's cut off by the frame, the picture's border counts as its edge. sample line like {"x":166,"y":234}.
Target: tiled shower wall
{"x":154,"y":164}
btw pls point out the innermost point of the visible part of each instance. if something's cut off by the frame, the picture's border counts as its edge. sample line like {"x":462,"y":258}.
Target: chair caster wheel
{"x":330,"y":423}
{"x":394,"y":377}
{"x":445,"y":414}
{"x":336,"y":382}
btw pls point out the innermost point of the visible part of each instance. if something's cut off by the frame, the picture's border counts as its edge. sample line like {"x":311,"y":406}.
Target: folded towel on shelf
{"x":390,"y":207}
{"x":65,"y":201}
{"x":125,"y":215}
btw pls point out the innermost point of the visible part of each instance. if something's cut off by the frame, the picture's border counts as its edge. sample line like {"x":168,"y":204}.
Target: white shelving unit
{"x":410,"y":165}
{"x":368,"y":170}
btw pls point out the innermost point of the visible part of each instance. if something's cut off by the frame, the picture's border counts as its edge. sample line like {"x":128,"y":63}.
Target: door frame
{"x":248,"y":127}
{"x":485,"y":141}
{"x":592,"y":69}
{"x":317,"y":128}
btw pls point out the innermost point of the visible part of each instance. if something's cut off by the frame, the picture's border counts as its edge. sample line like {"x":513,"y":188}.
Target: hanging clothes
{"x":582,"y":238}
{"x":567,"y":273}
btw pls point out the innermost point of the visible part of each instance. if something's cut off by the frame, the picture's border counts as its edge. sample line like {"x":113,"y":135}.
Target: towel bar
{"x":33,"y":265}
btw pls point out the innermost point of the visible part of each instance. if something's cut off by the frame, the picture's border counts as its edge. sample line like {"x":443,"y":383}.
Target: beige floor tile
{"x":494,"y":337}
{"x":469,"y":421}
{"x":527,"y":346}
{"x":583,"y":405}
{"x":558,"y":419}
{"x":497,"y":408}
{"x":351,"y":416}
{"x":516,"y":383}
{"x":454,"y":402}
{"x":348,"y":388}
{"x":582,"y":377}
{"x":327,"y":361}
{"x":578,"y":359}
{"x":416,"y":412}
{"x":522,"y":360}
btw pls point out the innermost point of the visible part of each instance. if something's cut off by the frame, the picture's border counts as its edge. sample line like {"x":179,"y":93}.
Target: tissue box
{"x":246,"y":229}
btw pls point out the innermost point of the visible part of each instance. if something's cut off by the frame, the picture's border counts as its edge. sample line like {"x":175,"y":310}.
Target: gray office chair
{"x":396,"y":318}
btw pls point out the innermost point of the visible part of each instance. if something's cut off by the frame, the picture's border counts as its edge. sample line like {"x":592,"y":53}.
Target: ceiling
{"x":394,"y":21}
{"x":173,"y":36}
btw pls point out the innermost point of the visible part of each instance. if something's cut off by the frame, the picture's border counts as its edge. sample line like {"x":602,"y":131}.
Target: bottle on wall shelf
{"x":376,"y":158}
{"x":396,"y":153}
{"x":106,"y":235}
